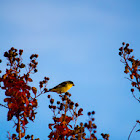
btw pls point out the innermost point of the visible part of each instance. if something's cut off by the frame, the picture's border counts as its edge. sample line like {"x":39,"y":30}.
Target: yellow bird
{"x":62,"y":87}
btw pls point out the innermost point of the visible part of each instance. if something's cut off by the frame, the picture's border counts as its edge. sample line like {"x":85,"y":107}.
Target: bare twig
{"x":132,"y":130}
{"x":128,"y":79}
{"x":9,"y":137}
{"x":135,"y":97}
{"x":19,"y":134}
{"x":3,"y":105}
{"x":39,"y":94}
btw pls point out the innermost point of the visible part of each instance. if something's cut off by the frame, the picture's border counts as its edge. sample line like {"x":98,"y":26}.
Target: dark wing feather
{"x":60,"y":85}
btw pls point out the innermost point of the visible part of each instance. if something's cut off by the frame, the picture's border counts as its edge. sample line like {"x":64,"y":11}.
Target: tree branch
{"x":132,"y":130}
{"x":3,"y":105}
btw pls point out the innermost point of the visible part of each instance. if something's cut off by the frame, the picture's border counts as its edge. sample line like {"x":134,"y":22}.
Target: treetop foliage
{"x":22,"y":102}
{"x":132,"y":68}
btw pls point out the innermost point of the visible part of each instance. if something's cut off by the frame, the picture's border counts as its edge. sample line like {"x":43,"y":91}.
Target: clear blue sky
{"x":77,"y":40}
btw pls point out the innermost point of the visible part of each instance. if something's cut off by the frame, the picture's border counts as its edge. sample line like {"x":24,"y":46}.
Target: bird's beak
{"x":73,"y":85}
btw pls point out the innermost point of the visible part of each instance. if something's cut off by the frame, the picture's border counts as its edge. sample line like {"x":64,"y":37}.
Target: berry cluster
{"x":132,"y":67}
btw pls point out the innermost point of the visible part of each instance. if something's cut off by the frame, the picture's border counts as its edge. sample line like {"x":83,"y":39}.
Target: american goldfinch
{"x":62,"y":87}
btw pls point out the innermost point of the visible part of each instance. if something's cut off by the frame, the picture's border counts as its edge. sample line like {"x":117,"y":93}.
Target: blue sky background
{"x":76,"y":40}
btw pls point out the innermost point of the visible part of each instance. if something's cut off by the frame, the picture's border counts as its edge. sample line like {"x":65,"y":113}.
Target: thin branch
{"x":19,"y":133}
{"x":76,"y":117}
{"x":129,"y":79}
{"x":9,"y":137}
{"x":3,"y":105}
{"x":39,"y":94}
{"x":132,"y":130}
{"x":135,"y":97}
{"x":122,"y":61}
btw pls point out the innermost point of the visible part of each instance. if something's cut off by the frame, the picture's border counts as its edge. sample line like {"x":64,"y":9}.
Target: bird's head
{"x":70,"y":82}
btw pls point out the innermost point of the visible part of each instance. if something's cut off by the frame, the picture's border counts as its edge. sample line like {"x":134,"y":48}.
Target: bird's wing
{"x":60,"y":85}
